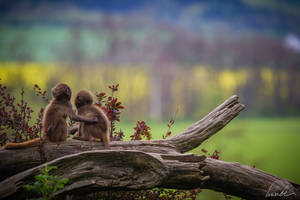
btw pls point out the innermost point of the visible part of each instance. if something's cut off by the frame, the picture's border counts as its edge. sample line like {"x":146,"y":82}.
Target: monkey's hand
{"x":79,"y":118}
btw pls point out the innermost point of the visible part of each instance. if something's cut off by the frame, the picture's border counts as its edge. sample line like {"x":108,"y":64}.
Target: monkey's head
{"x":84,"y":97}
{"x":61,"y":91}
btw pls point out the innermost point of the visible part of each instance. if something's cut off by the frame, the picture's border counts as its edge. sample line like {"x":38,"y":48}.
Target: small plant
{"x":215,"y":154}
{"x":111,"y":106}
{"x":141,"y":130}
{"x":41,"y":93}
{"x":15,"y":117}
{"x":168,"y":133}
{"x":47,"y":185}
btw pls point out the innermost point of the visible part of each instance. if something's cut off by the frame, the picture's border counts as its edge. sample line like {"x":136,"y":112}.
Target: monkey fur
{"x":84,"y":104}
{"x":55,"y":128}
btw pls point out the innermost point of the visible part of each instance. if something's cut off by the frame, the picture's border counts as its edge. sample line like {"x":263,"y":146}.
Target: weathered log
{"x":98,"y":170}
{"x":208,"y":126}
{"x":134,"y":165}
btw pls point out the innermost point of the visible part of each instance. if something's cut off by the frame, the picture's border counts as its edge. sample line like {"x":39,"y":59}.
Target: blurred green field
{"x":271,"y":144}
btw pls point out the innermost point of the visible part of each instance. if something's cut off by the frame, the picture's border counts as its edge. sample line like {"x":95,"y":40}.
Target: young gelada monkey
{"x":55,"y":128}
{"x":85,"y":107}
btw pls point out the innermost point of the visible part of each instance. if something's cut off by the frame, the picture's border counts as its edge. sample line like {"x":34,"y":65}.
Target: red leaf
{"x":204,"y":150}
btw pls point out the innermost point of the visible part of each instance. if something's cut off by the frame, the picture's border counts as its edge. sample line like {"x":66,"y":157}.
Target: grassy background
{"x":271,"y":144}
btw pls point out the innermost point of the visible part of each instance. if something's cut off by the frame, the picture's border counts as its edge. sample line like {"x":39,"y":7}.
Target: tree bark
{"x":136,"y":165}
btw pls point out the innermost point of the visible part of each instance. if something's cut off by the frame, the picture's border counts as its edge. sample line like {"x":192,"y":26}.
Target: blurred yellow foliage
{"x":29,"y":73}
{"x":228,"y":81}
{"x":268,"y":78}
{"x":189,"y":92}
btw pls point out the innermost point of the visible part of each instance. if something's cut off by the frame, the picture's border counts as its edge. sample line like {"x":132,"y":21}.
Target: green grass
{"x":271,"y":144}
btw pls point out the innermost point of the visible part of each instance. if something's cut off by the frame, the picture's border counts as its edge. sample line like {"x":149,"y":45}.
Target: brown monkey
{"x":55,"y":128}
{"x":85,"y":107}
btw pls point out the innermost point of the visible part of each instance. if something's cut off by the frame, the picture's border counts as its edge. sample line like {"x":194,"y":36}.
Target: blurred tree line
{"x":184,"y":93}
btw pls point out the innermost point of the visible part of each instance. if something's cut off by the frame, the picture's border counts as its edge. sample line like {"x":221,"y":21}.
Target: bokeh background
{"x":173,"y":59}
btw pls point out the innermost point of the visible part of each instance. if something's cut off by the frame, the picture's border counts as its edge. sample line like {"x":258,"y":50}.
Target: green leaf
{"x":51,"y":168}
{"x":64,"y":181}
{"x":28,"y":187}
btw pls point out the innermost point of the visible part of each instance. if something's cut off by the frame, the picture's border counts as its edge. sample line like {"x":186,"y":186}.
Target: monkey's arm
{"x":78,"y":118}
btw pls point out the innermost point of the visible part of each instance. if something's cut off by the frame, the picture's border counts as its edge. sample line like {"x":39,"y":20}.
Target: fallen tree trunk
{"x":135,"y":165}
{"x":98,"y":170}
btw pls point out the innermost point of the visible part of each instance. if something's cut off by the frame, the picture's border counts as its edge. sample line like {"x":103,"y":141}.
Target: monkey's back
{"x":54,"y":123}
{"x":98,"y":129}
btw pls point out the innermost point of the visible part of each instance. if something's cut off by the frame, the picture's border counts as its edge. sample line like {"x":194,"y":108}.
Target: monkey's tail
{"x":21,"y":145}
{"x":107,"y":135}
{"x":106,"y":139}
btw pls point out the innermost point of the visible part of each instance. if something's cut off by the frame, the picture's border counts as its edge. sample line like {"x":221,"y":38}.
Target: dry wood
{"x":98,"y":170}
{"x":134,"y":165}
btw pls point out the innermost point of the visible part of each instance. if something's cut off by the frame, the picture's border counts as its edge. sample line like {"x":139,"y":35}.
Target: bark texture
{"x":135,"y":165}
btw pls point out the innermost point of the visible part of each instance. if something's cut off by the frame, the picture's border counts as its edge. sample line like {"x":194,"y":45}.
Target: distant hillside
{"x":214,"y":32}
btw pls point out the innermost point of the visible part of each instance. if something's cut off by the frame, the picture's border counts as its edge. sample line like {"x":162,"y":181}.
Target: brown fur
{"x":85,"y":107}
{"x":55,"y":128}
